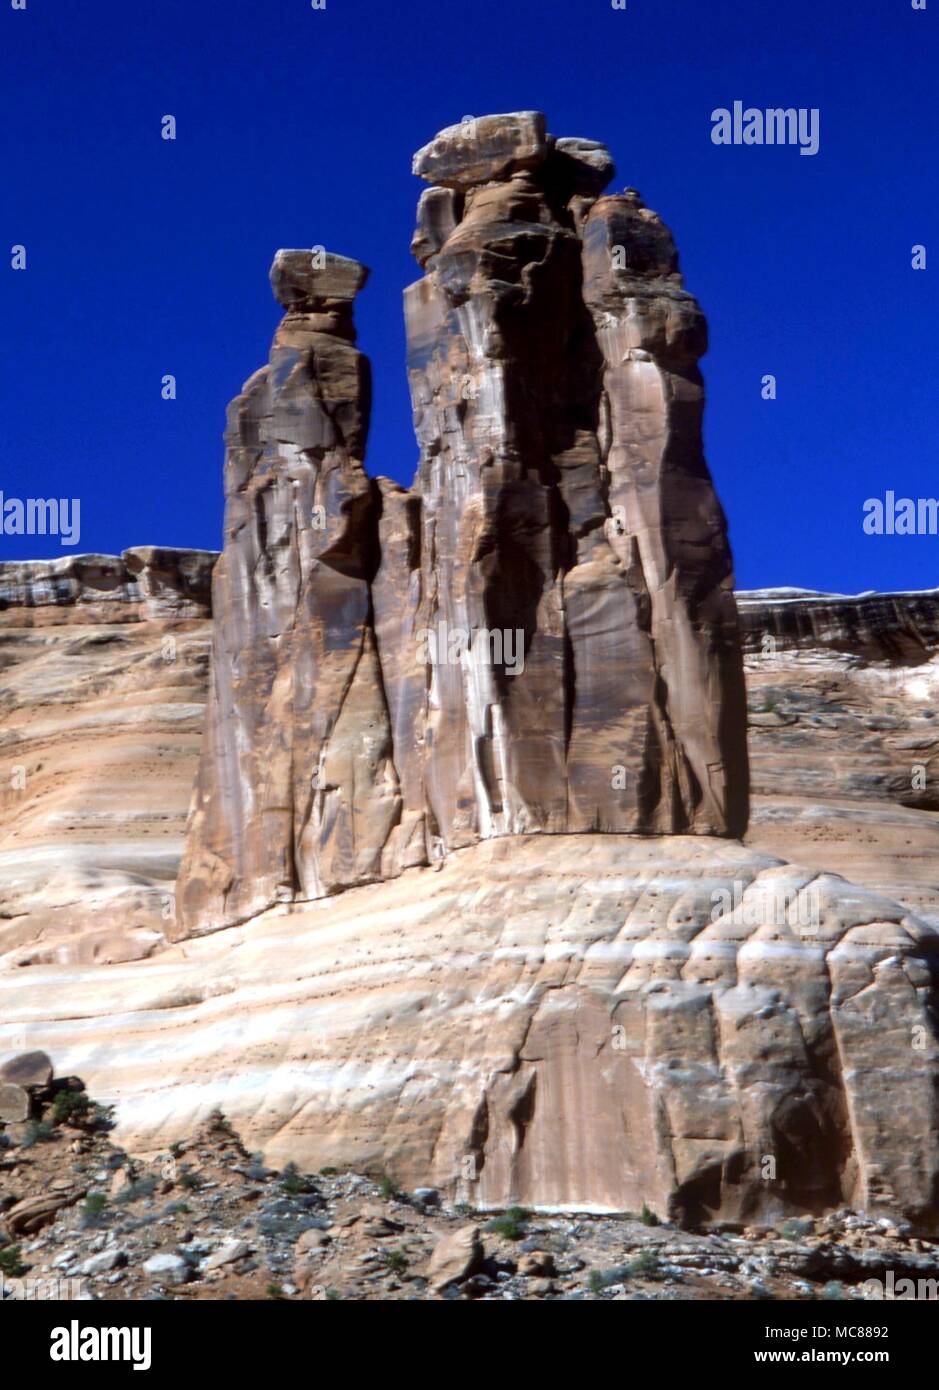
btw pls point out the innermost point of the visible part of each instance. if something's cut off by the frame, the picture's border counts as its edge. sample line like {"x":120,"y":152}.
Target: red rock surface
{"x":541,"y":635}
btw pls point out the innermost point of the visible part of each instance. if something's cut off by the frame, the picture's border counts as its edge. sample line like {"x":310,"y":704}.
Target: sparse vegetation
{"x":291,"y":1181}
{"x":37,"y":1132}
{"x":395,"y":1261}
{"x":511,"y":1224}
{"x":94,"y":1206}
{"x":71,"y":1108}
{"x":387,"y":1188}
{"x":143,"y":1187}
{"x":10,"y":1262}
{"x":648,"y":1217}
{"x":644,"y":1266}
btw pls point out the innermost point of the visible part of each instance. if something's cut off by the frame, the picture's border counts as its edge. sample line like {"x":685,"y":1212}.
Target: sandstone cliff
{"x":460,"y":703}
{"x":844,"y":735}
{"x":541,"y":635}
{"x":103,"y":669}
{"x":671,"y":1020}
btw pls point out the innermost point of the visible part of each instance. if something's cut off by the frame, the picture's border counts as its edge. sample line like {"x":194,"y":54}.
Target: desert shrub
{"x":395,"y":1261}
{"x":143,"y":1187}
{"x":71,"y":1108}
{"x":10,"y":1262}
{"x":644,"y":1266}
{"x":37,"y":1132}
{"x":511,"y":1224}
{"x":291,"y":1181}
{"x":94,"y":1207}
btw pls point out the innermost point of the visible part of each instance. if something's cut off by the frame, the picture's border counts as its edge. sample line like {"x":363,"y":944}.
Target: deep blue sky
{"x":296,"y":128}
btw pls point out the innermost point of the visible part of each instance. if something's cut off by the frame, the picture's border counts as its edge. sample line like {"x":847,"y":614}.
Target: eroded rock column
{"x":297,"y":790}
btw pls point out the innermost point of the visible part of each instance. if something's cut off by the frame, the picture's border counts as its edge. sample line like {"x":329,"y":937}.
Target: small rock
{"x":28,"y":1069}
{"x":15,"y":1103}
{"x":104,"y":1263}
{"x":33,"y":1213}
{"x":311,"y":1240}
{"x":455,"y":1257}
{"x":168,"y":1268}
{"x":228,"y":1253}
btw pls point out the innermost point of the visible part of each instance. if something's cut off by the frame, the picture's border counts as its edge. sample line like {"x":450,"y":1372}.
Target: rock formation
{"x":103,"y":669}
{"x":541,"y":635}
{"x":675,"y":1020}
{"x":412,"y":690}
{"x":844,"y":735}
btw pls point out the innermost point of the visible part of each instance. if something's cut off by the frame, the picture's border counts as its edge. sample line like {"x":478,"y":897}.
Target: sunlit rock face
{"x":297,"y":792}
{"x":540,"y":636}
{"x":675,"y":1020}
{"x":103,"y":674}
{"x":844,"y":734}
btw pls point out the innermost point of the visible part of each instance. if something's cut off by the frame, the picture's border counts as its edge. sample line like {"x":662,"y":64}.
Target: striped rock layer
{"x":592,"y":1021}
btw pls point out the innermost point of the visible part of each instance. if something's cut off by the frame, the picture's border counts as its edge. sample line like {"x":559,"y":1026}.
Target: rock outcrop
{"x":103,"y":670}
{"x":844,"y":735}
{"x":674,"y":1020}
{"x":503,"y":711}
{"x":541,"y":635}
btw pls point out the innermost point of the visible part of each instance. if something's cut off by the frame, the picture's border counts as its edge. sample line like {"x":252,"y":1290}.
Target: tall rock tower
{"x":540,"y":636}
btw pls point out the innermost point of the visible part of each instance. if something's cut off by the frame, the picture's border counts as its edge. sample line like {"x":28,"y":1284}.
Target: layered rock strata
{"x":540,"y":636}
{"x":103,"y":671}
{"x":844,"y":735}
{"x":673,"y":1020}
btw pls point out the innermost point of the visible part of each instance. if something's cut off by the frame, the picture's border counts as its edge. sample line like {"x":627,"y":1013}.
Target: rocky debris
{"x":168,"y":1268}
{"x":197,"y":1224}
{"x":540,"y":636}
{"x":27,"y":1217}
{"x":25,"y":1080}
{"x":228,"y":1253}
